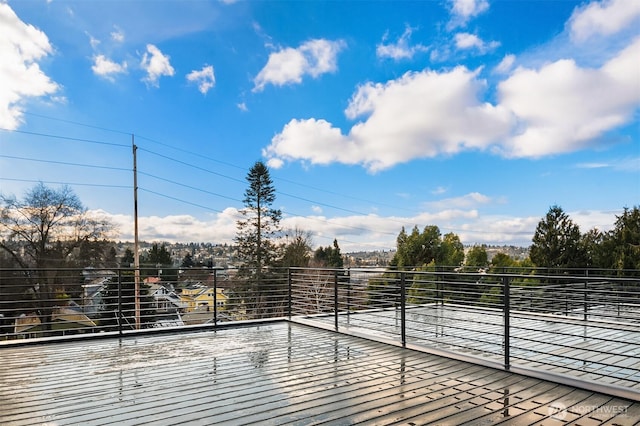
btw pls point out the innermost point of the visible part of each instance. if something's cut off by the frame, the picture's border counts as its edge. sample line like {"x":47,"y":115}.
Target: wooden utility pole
{"x":136,"y":247}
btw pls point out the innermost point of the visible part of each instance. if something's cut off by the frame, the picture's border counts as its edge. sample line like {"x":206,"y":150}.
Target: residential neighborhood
{"x":188,"y":301}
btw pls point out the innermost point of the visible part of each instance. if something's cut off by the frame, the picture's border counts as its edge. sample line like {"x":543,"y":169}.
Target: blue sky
{"x":472,"y":115}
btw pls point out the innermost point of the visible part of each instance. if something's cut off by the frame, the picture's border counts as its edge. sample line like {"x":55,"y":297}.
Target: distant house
{"x":65,"y":319}
{"x":198,"y":297}
{"x":92,"y":292}
{"x":95,"y":281}
{"x":164,"y":297}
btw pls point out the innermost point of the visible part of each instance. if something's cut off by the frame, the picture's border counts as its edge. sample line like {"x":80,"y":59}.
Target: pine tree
{"x":556,"y":242}
{"x":255,"y":239}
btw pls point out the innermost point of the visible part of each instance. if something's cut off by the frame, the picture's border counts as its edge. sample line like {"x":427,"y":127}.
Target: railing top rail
{"x":565,"y":278}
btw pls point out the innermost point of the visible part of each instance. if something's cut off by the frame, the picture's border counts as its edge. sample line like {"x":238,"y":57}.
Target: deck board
{"x":272,"y":374}
{"x":594,"y":351}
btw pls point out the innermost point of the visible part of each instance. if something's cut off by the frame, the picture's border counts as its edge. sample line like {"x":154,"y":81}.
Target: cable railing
{"x":585,"y":327}
{"x":43,"y":303}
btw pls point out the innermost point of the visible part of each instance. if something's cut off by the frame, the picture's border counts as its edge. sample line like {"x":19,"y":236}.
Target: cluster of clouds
{"x":357,"y":232}
{"x":554,"y":107}
{"x":24,"y":46}
{"x":285,"y":65}
{"x":289,"y":65}
{"x":153,"y":63}
{"x":537,"y":108}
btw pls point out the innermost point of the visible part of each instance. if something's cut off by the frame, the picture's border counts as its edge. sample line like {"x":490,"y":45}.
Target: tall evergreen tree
{"x":625,"y":240}
{"x":417,"y":249}
{"x":127,"y":259}
{"x":335,"y":258}
{"x":477,"y":258}
{"x":556,"y":242}
{"x":255,"y":239}
{"x":297,"y":249}
{"x":329,"y":257}
{"x":260,"y":224}
{"x":451,"y":250}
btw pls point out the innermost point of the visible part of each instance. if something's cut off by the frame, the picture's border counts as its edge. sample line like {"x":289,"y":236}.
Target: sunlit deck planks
{"x":276,"y":373}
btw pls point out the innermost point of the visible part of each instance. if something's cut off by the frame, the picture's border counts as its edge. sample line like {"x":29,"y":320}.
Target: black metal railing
{"x":61,"y":302}
{"x":586,"y":326}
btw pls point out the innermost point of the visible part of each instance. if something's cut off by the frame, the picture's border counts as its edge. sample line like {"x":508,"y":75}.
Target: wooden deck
{"x":598,"y":352}
{"x":277,"y":373}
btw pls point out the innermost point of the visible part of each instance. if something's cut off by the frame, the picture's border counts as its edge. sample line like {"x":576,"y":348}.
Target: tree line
{"x":557,"y":246}
{"x":50,"y":229}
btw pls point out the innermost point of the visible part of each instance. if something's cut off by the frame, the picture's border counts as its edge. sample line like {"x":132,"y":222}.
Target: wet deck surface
{"x":595,"y":351}
{"x":278,"y":373}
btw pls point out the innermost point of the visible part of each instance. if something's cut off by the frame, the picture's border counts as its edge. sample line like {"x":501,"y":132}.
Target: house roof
{"x":61,"y":314}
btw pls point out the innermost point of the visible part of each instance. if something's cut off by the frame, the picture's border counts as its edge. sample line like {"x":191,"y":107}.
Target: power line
{"x":192,"y":166}
{"x":68,"y":138}
{"x":200,"y":155}
{"x":197,"y":154}
{"x":77,"y":123}
{"x":180,"y":200}
{"x":67,"y":183}
{"x":189,"y":186}
{"x":92,"y":166}
{"x":241,"y":181}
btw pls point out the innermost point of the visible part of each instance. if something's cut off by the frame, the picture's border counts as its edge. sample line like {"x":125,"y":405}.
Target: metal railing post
{"x":586,"y":298}
{"x":403,"y":309}
{"x":335,"y":299}
{"x":507,"y":325}
{"x":348,"y":292}
{"x":289,"y":293}
{"x":215,"y":298}
{"x":119,"y":315}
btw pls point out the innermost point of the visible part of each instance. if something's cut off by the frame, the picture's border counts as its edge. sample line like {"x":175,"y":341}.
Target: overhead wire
{"x":67,"y":183}
{"x":65,"y":163}
{"x":106,"y":129}
{"x":219,"y":211}
{"x":200,"y":155}
{"x":175,"y":183}
{"x":68,"y":138}
{"x":292,"y":214}
{"x":189,"y":186}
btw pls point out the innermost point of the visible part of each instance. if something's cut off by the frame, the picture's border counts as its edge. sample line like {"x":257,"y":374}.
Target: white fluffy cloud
{"x":401,"y":49}
{"x":472,"y":41}
{"x":505,"y":65}
{"x":553,"y":108}
{"x":289,"y":65}
{"x":117,"y":35}
{"x":360,"y":232}
{"x":470,"y":200}
{"x":204,"y":78}
{"x":22,"y":46}
{"x":156,"y":65}
{"x":419,"y":115}
{"x":220,"y":227}
{"x":464,"y":10}
{"x":106,"y":68}
{"x":562,"y":107}
{"x":603,"y":18}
